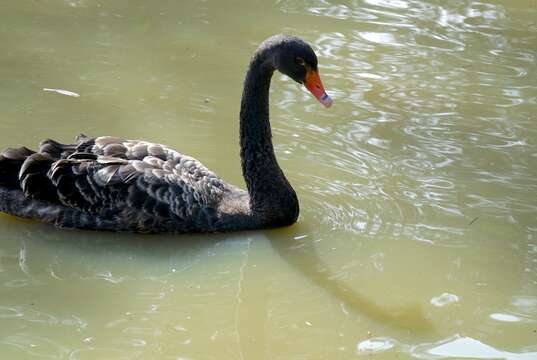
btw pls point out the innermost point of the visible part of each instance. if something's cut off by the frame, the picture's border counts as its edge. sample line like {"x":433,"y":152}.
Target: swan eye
{"x":299,"y":61}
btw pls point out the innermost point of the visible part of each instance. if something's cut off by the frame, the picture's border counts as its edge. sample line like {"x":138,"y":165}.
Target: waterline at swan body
{"x":109,"y":183}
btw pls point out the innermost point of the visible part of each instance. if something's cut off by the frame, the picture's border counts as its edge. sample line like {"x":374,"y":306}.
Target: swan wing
{"x":140,"y":185}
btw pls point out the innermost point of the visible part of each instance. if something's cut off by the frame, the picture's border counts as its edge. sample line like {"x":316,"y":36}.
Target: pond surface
{"x":418,"y":229}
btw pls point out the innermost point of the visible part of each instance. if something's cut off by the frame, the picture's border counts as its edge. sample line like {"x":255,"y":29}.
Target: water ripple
{"x":421,"y":179}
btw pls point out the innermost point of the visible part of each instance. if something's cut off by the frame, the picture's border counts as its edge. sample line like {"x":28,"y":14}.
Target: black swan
{"x":108,"y":183}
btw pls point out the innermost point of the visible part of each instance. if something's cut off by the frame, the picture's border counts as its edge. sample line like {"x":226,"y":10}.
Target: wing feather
{"x":147,"y":186}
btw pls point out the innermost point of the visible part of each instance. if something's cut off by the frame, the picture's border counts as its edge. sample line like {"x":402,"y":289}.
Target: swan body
{"x":109,"y":183}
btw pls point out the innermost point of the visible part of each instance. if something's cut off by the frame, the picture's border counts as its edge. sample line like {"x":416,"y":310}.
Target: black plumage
{"x":109,"y":183}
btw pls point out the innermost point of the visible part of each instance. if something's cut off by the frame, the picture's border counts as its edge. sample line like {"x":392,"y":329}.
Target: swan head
{"x":296,"y":59}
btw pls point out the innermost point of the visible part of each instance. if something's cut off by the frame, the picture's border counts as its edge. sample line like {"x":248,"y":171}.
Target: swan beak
{"x":315,"y":86}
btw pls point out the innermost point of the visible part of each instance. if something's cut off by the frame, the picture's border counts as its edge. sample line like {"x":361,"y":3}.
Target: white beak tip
{"x":326,"y":100}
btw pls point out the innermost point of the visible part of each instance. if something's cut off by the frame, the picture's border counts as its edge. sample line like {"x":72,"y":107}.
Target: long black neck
{"x":272,"y":199}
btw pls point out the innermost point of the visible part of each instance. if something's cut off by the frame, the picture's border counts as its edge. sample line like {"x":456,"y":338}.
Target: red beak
{"x":315,"y":86}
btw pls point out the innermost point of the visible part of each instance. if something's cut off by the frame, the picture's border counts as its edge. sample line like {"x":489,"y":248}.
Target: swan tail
{"x":11,"y":161}
{"x":34,"y":177}
{"x":25,"y":169}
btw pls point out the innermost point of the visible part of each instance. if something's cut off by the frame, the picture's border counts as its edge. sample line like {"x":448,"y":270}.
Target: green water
{"x":418,"y":229}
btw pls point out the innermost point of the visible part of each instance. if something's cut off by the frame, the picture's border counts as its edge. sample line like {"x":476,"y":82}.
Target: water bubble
{"x":505,"y":317}
{"x":444,"y":299}
{"x":375,"y":345}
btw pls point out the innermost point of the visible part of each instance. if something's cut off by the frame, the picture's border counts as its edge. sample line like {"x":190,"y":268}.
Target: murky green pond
{"x":418,"y":230}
